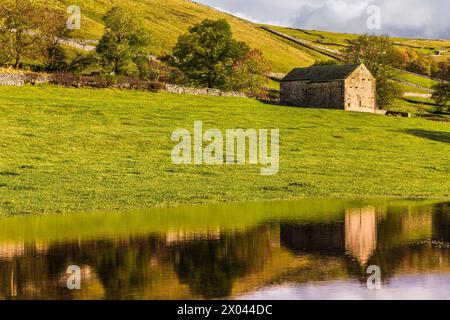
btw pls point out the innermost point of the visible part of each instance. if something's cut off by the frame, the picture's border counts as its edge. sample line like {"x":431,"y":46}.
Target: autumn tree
{"x":19,"y":25}
{"x":54,"y":30}
{"x":125,"y":43}
{"x":208,"y":52}
{"x":379,"y":55}
{"x":250,"y":72}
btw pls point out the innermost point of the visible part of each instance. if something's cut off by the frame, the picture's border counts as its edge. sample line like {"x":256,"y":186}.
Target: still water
{"x":283,"y":250}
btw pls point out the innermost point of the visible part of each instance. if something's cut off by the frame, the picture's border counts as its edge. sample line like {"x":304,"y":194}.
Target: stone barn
{"x":347,"y":87}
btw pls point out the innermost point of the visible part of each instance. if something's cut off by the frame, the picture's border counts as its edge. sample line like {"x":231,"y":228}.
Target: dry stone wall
{"x":20,"y":79}
{"x":202,"y":91}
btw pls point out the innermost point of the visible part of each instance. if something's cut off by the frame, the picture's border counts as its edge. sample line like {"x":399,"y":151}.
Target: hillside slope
{"x":335,"y":41}
{"x":171,"y":18}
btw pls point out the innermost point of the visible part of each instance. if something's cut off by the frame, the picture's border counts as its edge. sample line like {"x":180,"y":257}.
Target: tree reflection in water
{"x":226,"y":263}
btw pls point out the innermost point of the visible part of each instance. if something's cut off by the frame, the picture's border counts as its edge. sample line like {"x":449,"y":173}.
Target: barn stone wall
{"x":356,"y":93}
{"x":360,"y":91}
{"x":315,"y":95}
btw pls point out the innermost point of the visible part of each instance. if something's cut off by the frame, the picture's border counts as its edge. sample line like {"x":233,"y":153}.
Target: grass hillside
{"x":338,"y":41}
{"x":171,"y":18}
{"x":82,"y":149}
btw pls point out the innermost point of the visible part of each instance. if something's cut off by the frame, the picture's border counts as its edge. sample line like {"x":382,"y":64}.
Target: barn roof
{"x":321,"y":73}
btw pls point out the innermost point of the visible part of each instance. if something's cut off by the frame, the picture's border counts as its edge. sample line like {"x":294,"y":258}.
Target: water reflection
{"x":277,"y":256}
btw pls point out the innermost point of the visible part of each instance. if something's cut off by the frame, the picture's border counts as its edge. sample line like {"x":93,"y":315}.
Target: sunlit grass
{"x":416,"y":79}
{"x":85,"y":149}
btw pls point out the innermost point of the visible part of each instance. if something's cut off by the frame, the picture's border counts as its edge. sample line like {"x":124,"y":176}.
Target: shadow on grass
{"x":432,"y":135}
{"x":269,"y":102}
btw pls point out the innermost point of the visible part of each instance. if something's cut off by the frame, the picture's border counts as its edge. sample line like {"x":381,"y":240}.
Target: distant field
{"x":84,"y":149}
{"x":409,"y":88}
{"x":419,"y":107}
{"x":336,"y":40}
{"x":416,"y":79}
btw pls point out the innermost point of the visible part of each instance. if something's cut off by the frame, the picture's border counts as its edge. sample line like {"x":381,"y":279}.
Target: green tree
{"x":4,"y":50}
{"x":125,"y":43}
{"x":250,"y":72}
{"x":19,"y":26}
{"x":379,"y":55}
{"x":441,"y":70}
{"x":325,"y":63}
{"x":441,"y":95}
{"x":208,"y":52}
{"x":388,"y":92}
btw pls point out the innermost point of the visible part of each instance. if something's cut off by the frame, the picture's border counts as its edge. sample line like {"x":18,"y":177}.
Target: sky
{"x":401,"y":18}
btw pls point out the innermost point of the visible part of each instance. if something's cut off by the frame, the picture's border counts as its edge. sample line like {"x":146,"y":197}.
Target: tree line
{"x":32,"y":35}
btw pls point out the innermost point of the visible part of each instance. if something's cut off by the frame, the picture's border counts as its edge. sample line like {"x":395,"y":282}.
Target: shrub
{"x":68,"y":79}
{"x":250,"y":73}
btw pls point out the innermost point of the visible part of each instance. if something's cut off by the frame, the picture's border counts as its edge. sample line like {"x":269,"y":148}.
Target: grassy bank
{"x":84,"y":149}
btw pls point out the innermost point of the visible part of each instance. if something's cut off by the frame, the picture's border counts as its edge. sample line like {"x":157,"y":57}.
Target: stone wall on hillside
{"x":202,"y":91}
{"x":20,"y":79}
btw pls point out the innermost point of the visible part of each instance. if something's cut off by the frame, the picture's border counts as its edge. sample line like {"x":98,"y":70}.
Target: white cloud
{"x":409,"y":18}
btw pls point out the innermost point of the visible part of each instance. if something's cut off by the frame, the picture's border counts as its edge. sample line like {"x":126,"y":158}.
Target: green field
{"x":420,"y":107}
{"x":416,"y":79}
{"x":84,"y":149}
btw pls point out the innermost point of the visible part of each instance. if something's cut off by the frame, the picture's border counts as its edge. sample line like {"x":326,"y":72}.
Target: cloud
{"x":405,"y":18}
